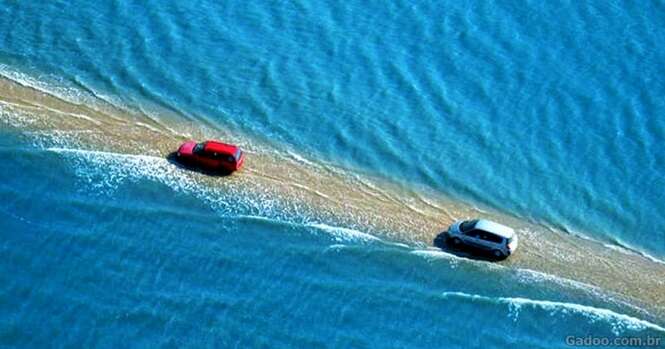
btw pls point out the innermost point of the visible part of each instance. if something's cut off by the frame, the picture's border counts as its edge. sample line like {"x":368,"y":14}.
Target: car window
{"x":468,"y":225}
{"x":473,"y":233}
{"x":492,"y":238}
{"x":215,"y":155}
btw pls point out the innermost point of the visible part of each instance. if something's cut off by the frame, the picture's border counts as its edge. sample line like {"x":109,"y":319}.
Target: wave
{"x":57,"y":89}
{"x":434,"y":255}
{"x":71,"y":92}
{"x":526,"y":276}
{"x":533,"y":277}
{"x":344,"y":234}
{"x":103,"y":172}
{"x":340,"y":234}
{"x":625,"y":248}
{"x":456,"y":261}
{"x":611,"y":242}
{"x":119,"y":167}
{"x":618,"y":322}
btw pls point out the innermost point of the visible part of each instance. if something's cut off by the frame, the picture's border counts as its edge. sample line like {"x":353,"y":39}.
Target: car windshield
{"x":198,"y":148}
{"x":468,"y":225}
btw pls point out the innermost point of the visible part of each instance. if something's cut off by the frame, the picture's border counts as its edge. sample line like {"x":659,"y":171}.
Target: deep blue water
{"x":550,"y":112}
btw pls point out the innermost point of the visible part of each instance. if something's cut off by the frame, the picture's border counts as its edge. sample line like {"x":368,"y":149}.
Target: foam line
{"x":344,"y":233}
{"x":618,"y":321}
{"x":619,"y":245}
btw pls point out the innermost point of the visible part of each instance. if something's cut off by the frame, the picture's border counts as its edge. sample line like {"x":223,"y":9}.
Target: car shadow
{"x":464,"y":250}
{"x":175,"y":160}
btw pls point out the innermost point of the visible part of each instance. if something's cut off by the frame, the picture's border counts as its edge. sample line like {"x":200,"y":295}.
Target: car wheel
{"x":498,"y":254}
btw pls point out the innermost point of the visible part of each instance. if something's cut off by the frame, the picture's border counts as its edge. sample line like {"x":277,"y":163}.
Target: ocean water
{"x":369,"y":127}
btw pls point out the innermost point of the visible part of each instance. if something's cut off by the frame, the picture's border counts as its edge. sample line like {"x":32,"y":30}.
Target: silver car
{"x":496,"y":238}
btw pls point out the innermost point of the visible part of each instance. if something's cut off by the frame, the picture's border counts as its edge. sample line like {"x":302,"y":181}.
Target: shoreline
{"x":357,"y":201}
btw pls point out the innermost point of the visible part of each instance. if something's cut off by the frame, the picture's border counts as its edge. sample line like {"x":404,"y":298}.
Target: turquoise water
{"x":548,"y":112}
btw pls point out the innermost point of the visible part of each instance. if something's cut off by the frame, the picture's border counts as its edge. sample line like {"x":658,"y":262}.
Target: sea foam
{"x":618,"y":322}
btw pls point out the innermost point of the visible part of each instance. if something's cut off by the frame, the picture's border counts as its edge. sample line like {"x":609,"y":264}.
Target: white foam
{"x":74,"y":92}
{"x":117,"y":168}
{"x":339,"y":233}
{"x":300,"y":159}
{"x":313,"y":191}
{"x":410,"y":204}
{"x":103,"y":172}
{"x":13,"y":117}
{"x":435,"y":253}
{"x":533,"y":275}
{"x":344,"y":234}
{"x":399,"y":244}
{"x":110,"y":169}
{"x":58,"y":89}
{"x":627,"y":249}
{"x":259,"y":218}
{"x":337,"y":247}
{"x":537,"y":276}
{"x":148,"y":127}
{"x":615,"y":245}
{"x":78,"y":116}
{"x":108,"y":155}
{"x":618,"y":322}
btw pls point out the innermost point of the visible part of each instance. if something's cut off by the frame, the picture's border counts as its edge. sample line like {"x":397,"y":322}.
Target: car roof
{"x":495,"y":228}
{"x":219,"y":147}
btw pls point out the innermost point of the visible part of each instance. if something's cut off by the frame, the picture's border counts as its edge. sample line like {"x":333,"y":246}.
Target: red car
{"x":211,"y":155}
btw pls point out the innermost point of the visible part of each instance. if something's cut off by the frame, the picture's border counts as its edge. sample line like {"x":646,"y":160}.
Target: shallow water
{"x":369,"y":129}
